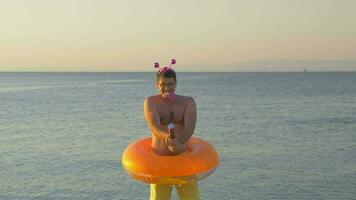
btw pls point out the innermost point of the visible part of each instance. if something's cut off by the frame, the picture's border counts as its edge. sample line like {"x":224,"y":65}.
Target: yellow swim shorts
{"x":188,"y":191}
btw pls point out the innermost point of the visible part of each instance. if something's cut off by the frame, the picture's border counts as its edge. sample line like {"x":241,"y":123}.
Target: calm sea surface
{"x":279,"y":135}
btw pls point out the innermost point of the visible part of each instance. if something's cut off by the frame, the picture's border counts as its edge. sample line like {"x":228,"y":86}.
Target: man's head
{"x":166,"y":81}
{"x":167,"y":73}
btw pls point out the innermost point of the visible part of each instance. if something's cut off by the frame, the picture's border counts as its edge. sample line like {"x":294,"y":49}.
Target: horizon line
{"x":278,"y":71}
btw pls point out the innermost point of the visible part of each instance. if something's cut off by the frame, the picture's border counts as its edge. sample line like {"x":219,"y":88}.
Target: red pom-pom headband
{"x":163,"y":69}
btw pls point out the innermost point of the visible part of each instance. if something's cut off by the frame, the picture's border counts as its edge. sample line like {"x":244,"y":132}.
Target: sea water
{"x":279,"y":135}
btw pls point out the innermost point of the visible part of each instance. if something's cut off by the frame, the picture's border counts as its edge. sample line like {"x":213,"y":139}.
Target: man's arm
{"x":153,"y":120}
{"x":190,"y":118}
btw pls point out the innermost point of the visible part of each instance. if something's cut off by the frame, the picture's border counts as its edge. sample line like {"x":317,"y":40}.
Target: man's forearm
{"x":187,"y":134}
{"x":160,"y":133}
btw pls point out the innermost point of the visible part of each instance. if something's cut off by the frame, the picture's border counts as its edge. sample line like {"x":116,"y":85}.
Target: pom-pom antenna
{"x":173,"y":61}
{"x":162,"y":69}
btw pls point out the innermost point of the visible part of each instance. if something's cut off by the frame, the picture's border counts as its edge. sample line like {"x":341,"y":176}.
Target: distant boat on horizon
{"x":305,"y":70}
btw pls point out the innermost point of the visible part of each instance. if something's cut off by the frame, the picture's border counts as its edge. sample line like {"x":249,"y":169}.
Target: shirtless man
{"x":161,"y":110}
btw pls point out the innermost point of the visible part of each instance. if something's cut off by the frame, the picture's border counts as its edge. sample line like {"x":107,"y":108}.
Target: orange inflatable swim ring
{"x":197,"y":162}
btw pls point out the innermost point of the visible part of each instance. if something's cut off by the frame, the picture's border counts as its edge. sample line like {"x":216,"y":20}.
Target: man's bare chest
{"x":171,"y":113}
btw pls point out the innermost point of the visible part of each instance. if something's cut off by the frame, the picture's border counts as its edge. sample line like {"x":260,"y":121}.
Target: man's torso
{"x":170,"y":111}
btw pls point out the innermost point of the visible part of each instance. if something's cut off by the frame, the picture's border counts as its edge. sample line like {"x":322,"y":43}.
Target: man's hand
{"x":173,"y":144}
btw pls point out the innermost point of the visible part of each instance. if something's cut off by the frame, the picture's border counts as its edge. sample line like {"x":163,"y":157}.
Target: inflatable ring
{"x":197,"y":162}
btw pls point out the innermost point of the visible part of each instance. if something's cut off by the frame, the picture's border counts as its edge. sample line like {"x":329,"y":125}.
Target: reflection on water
{"x":24,"y":88}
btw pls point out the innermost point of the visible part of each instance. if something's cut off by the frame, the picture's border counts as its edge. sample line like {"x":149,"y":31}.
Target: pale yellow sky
{"x":203,"y":35}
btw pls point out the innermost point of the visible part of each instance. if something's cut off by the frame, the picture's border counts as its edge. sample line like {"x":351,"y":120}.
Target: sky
{"x":202,"y":35}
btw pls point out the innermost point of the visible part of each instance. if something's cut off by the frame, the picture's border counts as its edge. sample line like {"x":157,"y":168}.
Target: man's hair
{"x":167,"y":74}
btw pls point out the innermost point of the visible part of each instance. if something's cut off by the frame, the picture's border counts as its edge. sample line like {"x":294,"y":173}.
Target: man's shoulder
{"x":150,"y":103}
{"x":152,"y":99}
{"x":187,"y":99}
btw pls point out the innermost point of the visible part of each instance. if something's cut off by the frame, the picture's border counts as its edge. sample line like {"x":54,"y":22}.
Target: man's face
{"x":166,"y":85}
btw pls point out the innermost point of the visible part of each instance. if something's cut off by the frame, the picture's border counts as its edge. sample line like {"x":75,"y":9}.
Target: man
{"x":161,"y":110}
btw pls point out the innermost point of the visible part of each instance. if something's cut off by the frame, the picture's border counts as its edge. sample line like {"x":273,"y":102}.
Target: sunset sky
{"x":203,"y":35}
